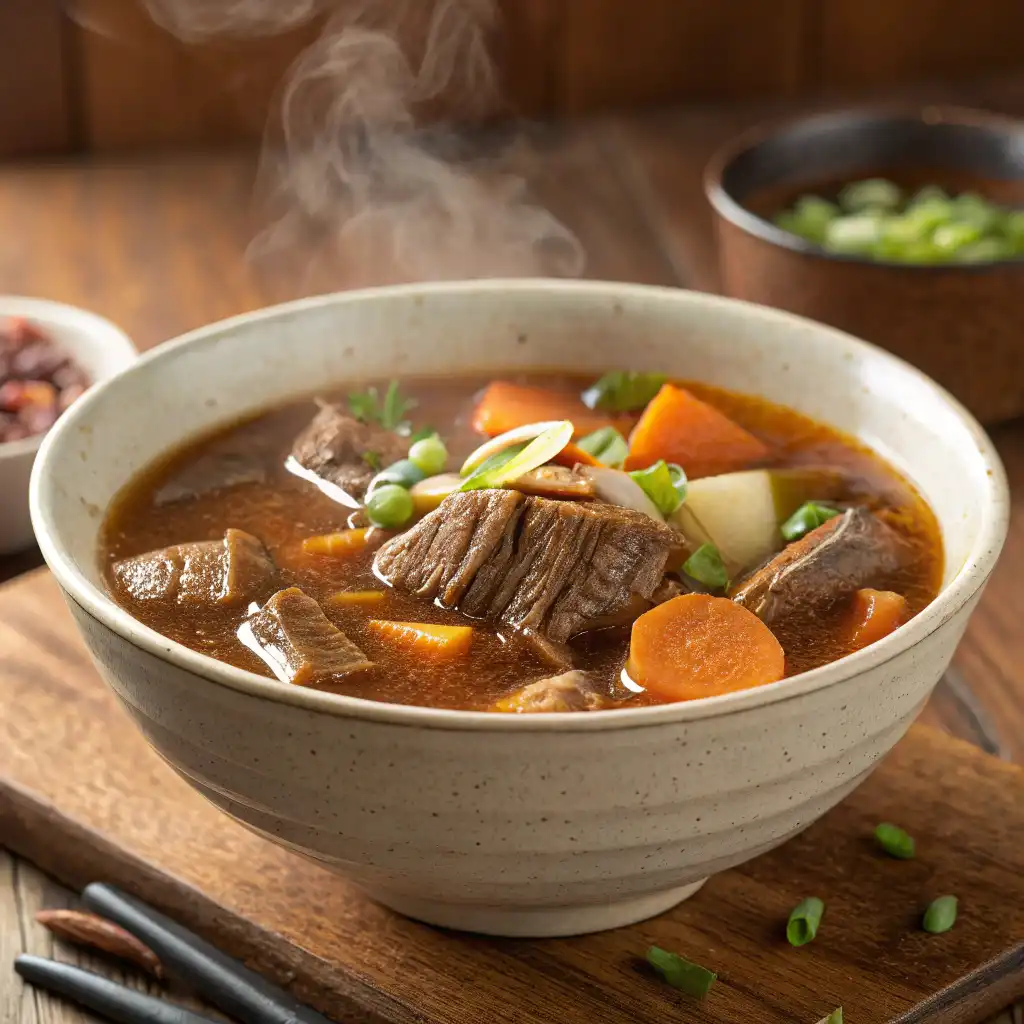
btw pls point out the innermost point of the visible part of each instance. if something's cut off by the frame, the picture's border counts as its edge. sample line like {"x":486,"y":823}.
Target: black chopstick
{"x":222,"y":980}
{"x":102,"y":996}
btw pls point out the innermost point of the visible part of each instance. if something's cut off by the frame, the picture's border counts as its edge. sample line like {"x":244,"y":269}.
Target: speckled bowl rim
{"x":732,"y":210}
{"x":96,"y":603}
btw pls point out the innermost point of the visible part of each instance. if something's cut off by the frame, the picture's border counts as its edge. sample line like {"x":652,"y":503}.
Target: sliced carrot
{"x":875,"y":614}
{"x":699,"y":646}
{"x":345,"y":542}
{"x":425,"y":637}
{"x":505,"y":406}
{"x":573,"y":455}
{"x":356,"y":598}
{"x":678,"y":427}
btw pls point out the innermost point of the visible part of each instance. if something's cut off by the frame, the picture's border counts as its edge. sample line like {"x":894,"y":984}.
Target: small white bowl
{"x":100,"y":348}
{"x":519,"y":824}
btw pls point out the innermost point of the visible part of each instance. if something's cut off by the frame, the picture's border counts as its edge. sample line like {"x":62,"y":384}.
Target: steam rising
{"x":351,"y":166}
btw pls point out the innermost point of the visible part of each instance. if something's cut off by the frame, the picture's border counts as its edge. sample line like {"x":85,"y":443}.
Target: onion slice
{"x":619,"y":488}
{"x":541,"y":449}
{"x":527,"y":432}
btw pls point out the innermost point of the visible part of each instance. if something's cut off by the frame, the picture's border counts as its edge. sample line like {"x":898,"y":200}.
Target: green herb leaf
{"x":705,"y":565}
{"x":422,"y":434}
{"x":372,"y":459}
{"x":894,"y":841}
{"x":607,"y":445}
{"x":688,"y":977}
{"x":804,"y":920}
{"x":478,"y":478}
{"x":367,"y":407}
{"x":940,"y":915}
{"x":623,"y":391}
{"x":835,"y":1017}
{"x":664,"y":483}
{"x":809,"y":516}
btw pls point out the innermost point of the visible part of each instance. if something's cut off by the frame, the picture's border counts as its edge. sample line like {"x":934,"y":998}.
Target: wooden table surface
{"x":159,"y":245}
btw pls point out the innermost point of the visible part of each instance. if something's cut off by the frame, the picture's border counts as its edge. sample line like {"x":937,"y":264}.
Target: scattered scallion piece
{"x":491,"y":463}
{"x":664,"y":483}
{"x":895,"y":841}
{"x":404,"y":473}
{"x":940,"y":915}
{"x":804,"y":920}
{"x":705,"y":565}
{"x":430,"y":454}
{"x":422,"y":434}
{"x":835,"y":1017}
{"x":809,"y":516}
{"x":521,"y":435}
{"x":623,"y":391}
{"x":389,"y":507}
{"x":372,"y":459}
{"x":871,"y":194}
{"x":607,"y":445}
{"x":388,"y":412}
{"x":688,"y":977}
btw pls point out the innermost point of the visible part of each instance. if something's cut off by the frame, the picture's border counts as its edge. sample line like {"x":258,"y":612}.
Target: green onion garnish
{"x":804,"y":920}
{"x":688,"y":977}
{"x":389,"y":413}
{"x":404,"y":473}
{"x":607,"y":445}
{"x":940,"y":915}
{"x":492,"y":462}
{"x":664,"y":483}
{"x":541,"y":449}
{"x":871,"y":194}
{"x":835,"y":1017}
{"x":705,"y":565}
{"x":809,"y":516}
{"x":623,"y":391}
{"x":895,"y":841}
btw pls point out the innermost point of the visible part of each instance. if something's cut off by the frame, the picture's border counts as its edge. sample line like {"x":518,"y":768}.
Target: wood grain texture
{"x":623,"y":54}
{"x":84,"y":807}
{"x":35,"y":115}
{"x":867,"y":43}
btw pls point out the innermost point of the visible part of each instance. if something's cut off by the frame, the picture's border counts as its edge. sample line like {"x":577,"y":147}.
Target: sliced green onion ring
{"x":804,"y":920}
{"x":940,"y":915}
{"x":527,"y":432}
{"x":688,"y":977}
{"x":895,"y":841}
{"x":540,"y":450}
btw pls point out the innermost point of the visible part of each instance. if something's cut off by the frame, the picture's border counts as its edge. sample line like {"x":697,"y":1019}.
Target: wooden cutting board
{"x":83,"y":796}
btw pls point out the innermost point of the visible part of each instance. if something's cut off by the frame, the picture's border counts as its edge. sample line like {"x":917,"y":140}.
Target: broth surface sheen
{"x":236,"y":478}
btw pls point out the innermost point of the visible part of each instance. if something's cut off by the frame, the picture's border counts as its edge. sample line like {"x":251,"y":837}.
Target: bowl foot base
{"x":536,"y":922}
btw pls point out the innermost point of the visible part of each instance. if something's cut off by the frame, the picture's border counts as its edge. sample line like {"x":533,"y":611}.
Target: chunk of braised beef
{"x":345,"y":452}
{"x":229,"y":572}
{"x":853,"y":550}
{"x":300,"y":645}
{"x":558,"y":568}
{"x":570,"y":691}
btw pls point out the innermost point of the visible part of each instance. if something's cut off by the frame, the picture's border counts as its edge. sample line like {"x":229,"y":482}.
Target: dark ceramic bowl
{"x":962,"y":324}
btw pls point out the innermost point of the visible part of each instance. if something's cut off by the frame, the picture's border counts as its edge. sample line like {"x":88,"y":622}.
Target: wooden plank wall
{"x":97,"y":75}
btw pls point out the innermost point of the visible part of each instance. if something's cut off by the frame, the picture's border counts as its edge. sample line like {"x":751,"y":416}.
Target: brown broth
{"x":283,"y":510}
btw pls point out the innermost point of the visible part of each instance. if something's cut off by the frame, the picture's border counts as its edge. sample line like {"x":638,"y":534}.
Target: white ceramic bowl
{"x":529,"y":825}
{"x":100,"y":348}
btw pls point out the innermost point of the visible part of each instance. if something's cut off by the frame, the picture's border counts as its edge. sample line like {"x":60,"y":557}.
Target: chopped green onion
{"x":623,"y":391}
{"x":940,"y":915}
{"x":856,"y":234}
{"x":372,"y":459}
{"x":389,"y":506}
{"x":607,"y":445}
{"x":688,"y":977}
{"x":527,"y":432}
{"x":705,"y":565}
{"x":809,"y":516}
{"x":894,"y":841}
{"x":430,"y":454}
{"x":491,"y":463}
{"x":835,"y":1017}
{"x":804,"y":920}
{"x":809,"y":218}
{"x":389,"y":413}
{"x":950,"y":237}
{"x":985,"y":250}
{"x":664,"y":483}
{"x":422,"y":434}
{"x":540,"y":450}
{"x":404,"y":473}
{"x":871,"y":194}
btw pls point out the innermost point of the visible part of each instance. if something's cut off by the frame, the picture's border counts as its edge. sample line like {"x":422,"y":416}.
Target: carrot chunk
{"x":356,"y":598}
{"x":875,"y":614}
{"x":678,"y":427}
{"x":425,"y":637}
{"x":699,"y":646}
{"x":572,"y":455}
{"x":345,"y":542}
{"x":505,"y":406}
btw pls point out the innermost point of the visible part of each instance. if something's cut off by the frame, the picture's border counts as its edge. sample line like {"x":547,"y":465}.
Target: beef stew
{"x":554,"y":545}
